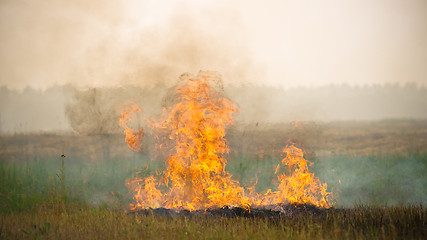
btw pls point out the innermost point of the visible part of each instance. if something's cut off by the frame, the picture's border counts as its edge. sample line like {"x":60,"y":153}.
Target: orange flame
{"x":299,"y":185}
{"x":133,"y":138}
{"x":195,"y":176}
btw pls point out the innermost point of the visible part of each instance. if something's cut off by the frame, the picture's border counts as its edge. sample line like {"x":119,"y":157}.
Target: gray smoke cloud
{"x":97,"y":46}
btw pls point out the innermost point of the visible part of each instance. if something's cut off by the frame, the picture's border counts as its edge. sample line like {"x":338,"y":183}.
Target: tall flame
{"x":297,"y":184}
{"x":195,"y":176}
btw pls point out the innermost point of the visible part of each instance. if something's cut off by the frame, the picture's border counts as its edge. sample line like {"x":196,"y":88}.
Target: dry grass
{"x":82,"y":222}
{"x":393,"y":137}
{"x":401,"y":137}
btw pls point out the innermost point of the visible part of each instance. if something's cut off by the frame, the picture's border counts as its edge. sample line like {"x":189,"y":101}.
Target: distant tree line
{"x":96,"y":110}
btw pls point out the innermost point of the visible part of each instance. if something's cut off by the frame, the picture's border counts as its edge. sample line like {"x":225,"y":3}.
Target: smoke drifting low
{"x":97,"y":110}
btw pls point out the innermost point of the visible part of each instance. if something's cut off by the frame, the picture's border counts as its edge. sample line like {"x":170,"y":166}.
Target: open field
{"x":388,"y":137}
{"x":376,"y":170}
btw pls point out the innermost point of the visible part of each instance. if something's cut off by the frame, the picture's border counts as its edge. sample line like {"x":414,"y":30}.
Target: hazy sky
{"x":286,"y":43}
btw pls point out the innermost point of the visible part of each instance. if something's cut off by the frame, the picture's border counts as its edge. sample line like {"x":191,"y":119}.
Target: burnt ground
{"x":268,"y":212}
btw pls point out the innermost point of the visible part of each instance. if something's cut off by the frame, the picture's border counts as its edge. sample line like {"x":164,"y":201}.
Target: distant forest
{"x":96,"y":110}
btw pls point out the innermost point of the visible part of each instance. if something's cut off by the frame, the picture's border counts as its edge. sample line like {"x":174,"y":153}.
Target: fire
{"x":132,"y":137}
{"x":195,"y":176}
{"x":297,"y":184}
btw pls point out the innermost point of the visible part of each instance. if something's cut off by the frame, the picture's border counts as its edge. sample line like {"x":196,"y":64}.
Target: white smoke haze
{"x":278,"y":43}
{"x":105,"y":43}
{"x":110,"y":44}
{"x":45,"y":40}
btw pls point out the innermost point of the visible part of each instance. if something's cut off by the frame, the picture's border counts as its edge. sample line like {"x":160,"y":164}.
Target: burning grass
{"x":194,"y":127}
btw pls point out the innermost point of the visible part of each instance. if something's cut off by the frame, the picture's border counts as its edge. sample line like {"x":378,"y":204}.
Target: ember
{"x":195,"y":176}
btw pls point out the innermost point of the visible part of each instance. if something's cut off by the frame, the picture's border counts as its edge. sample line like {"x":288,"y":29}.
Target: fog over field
{"x":97,"y":110}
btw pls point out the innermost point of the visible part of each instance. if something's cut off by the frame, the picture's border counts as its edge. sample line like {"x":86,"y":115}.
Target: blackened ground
{"x":270,"y":212}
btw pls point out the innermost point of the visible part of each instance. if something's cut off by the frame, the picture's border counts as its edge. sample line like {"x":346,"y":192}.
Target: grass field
{"x":82,"y":222}
{"x":377,"y":172}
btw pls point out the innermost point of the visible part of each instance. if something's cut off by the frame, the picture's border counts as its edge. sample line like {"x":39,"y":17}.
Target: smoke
{"x":161,"y":55}
{"x":100,"y":43}
{"x":97,"y":110}
{"x":287,"y":43}
{"x":43,"y":41}
{"x":382,"y":180}
{"x":152,"y":65}
{"x":147,"y":44}
{"x":97,"y":46}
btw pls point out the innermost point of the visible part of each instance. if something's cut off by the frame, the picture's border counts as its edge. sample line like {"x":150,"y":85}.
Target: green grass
{"x":379,"y":180}
{"x":23,"y":185}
